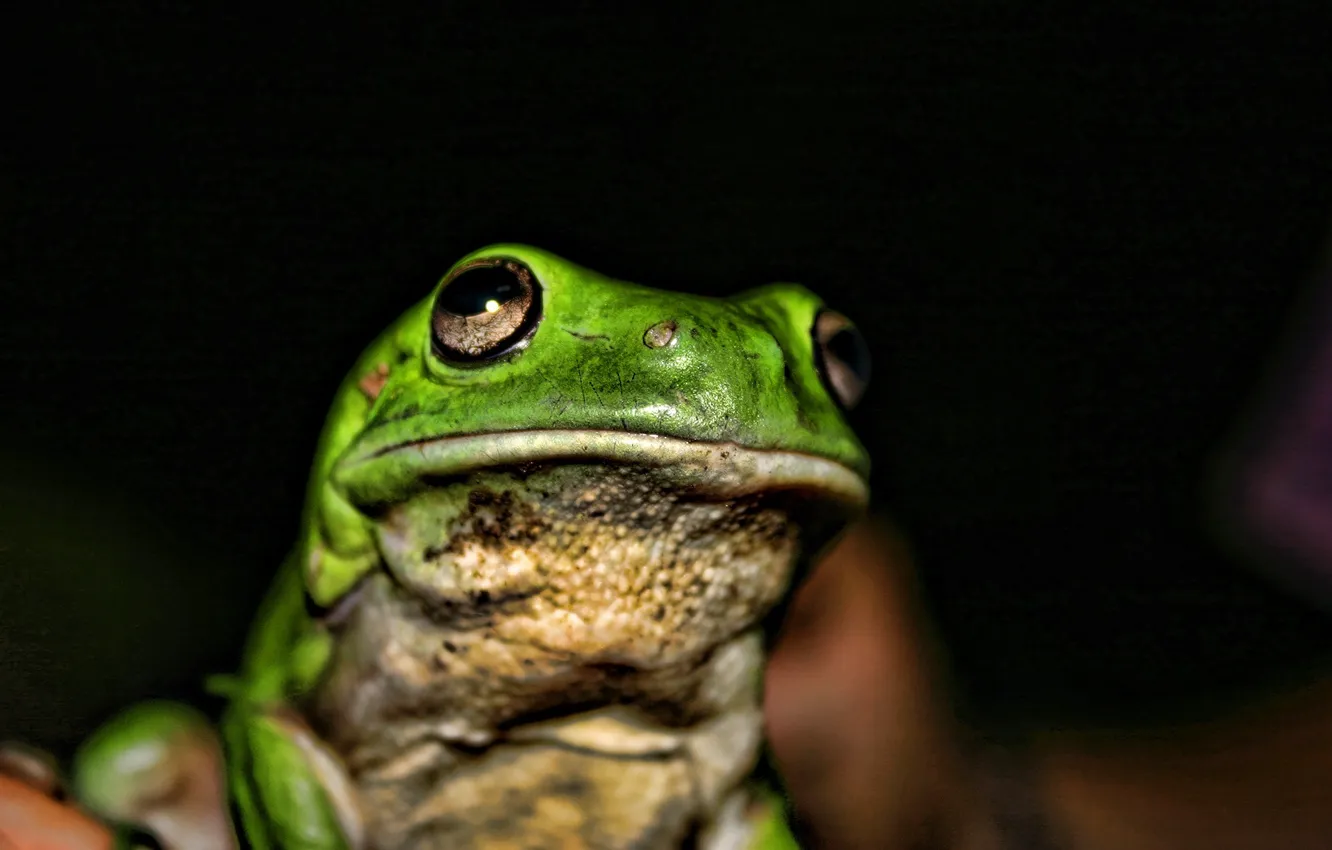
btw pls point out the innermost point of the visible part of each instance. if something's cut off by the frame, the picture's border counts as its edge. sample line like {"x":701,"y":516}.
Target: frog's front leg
{"x":292,"y":791}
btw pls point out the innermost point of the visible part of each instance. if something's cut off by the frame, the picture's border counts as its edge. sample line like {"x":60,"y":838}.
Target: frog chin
{"x":468,"y":523}
{"x":593,"y":564}
{"x":721,"y":470}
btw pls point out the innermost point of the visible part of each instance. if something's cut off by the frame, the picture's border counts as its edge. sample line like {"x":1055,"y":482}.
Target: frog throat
{"x":371,"y":477}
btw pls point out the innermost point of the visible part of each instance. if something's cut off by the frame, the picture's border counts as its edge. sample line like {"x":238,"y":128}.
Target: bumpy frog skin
{"x":549,"y":523}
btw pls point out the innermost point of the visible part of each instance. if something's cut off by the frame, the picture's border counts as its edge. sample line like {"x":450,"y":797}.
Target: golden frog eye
{"x":843,"y":357}
{"x":484,"y":310}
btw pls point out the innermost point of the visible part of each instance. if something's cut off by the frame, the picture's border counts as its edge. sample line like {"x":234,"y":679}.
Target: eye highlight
{"x":842,"y":357}
{"x":484,"y":310}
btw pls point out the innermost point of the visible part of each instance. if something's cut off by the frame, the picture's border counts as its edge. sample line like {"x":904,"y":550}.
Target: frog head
{"x":523,"y":367}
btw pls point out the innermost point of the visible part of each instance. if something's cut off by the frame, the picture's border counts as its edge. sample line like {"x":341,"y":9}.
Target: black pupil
{"x":848,"y":346}
{"x":470,"y":292}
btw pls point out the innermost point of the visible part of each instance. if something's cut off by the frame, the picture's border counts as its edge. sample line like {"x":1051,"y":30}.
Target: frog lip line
{"x":723,"y":469}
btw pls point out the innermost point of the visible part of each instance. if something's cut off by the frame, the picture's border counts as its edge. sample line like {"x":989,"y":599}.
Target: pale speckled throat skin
{"x":528,"y":603}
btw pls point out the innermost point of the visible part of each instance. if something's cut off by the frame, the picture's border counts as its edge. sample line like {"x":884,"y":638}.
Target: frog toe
{"x":158,"y":765}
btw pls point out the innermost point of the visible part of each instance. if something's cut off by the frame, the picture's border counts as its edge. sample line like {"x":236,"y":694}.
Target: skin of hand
{"x":32,"y":820}
{"x":854,"y":711}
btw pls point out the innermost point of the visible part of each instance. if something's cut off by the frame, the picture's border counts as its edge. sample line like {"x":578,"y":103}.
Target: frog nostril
{"x":661,"y":335}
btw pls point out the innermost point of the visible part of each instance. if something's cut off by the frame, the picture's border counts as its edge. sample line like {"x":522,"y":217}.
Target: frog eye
{"x":484,"y":310}
{"x":843,"y":357}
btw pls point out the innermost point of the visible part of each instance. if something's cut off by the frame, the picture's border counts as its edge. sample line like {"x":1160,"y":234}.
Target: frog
{"x":552,"y":524}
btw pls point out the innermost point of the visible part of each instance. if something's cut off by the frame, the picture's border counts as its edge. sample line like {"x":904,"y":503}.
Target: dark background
{"x":1073,"y":238}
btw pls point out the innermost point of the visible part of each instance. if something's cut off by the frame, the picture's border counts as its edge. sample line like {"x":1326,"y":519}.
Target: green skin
{"x":738,"y":374}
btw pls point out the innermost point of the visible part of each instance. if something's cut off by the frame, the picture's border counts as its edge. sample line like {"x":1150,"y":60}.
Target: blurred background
{"x":1079,"y":242}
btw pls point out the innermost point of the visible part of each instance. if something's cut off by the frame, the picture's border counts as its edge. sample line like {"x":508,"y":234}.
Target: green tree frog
{"x":551,"y":522}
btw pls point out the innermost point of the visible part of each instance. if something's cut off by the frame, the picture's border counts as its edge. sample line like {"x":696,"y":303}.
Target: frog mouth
{"x":716,"y":469}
